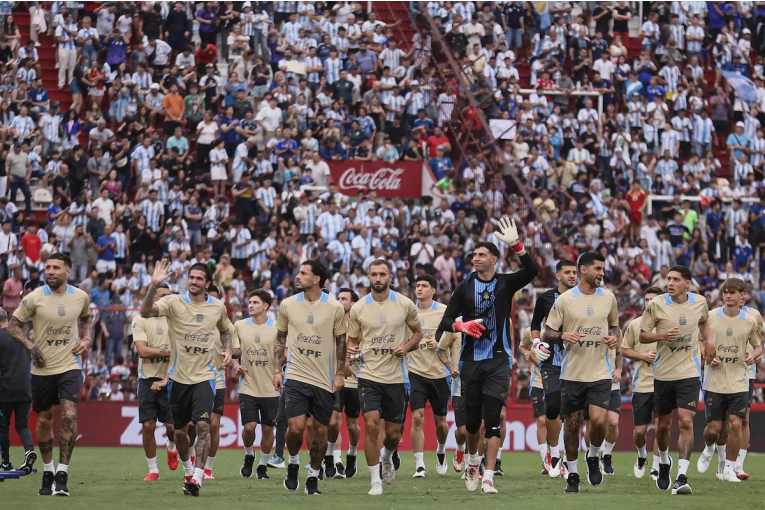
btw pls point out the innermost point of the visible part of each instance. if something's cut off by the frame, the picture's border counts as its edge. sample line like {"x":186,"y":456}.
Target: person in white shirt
{"x":422,"y":252}
{"x":319,"y":170}
{"x":269,"y":119}
{"x":605,"y":67}
{"x":105,"y":207}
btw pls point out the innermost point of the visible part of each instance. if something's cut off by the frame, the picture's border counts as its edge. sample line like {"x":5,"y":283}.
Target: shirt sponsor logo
{"x":257,"y":352}
{"x":63,"y":330}
{"x":309,"y":339}
{"x":383,"y":339}
{"x":198,"y":337}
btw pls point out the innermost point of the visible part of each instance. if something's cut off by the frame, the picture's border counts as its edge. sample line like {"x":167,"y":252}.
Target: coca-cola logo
{"x":381,"y":179}
{"x":257,"y":352}
{"x":63,"y":330}
{"x":198,"y":337}
{"x":592,"y":331}
{"x":309,"y":339}
{"x":384,"y":339}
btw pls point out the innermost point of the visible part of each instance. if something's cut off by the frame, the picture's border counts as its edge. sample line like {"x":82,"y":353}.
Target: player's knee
{"x":69,"y":415}
{"x":613,"y":421}
{"x":250,"y":427}
{"x":170,"y":431}
{"x":553,"y":409}
{"x":685,"y":423}
{"x":492,"y":416}
{"x":45,"y":418}
{"x":473,"y":420}
{"x":418,"y":419}
{"x":441,"y":422}
{"x":149,"y":427}
{"x":734,"y":425}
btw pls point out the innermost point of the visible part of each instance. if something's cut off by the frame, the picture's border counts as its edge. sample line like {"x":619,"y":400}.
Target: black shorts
{"x":550,"y":380}
{"x":168,"y":127}
{"x":642,"y":409}
{"x":578,"y":396}
{"x":480,"y":379}
{"x":460,"y":413}
{"x":615,"y":403}
{"x":152,"y":405}
{"x":750,"y":393}
{"x":680,"y":394}
{"x":261,"y":410}
{"x":717,"y":406}
{"x":388,"y":399}
{"x":303,"y":399}
{"x":219,"y":402}
{"x":435,"y":391}
{"x":348,"y":399}
{"x":538,"y":402}
{"x":50,"y":390}
{"x":191,"y":402}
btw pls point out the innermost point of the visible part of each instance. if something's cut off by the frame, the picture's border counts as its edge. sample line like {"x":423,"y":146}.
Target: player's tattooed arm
{"x":15,"y":329}
{"x":340,"y":353}
{"x":280,"y":357}
{"x":68,"y":430}
{"x":225,"y":340}
{"x":148,"y":308}
{"x":443,"y":356}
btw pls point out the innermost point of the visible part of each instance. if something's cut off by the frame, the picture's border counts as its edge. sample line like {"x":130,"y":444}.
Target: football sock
{"x":294,"y":459}
{"x":248,"y":450}
{"x":62,"y":468}
{"x":330,"y":449}
{"x":642,"y":452}
{"x":609,"y":448}
{"x":152,"y":465}
{"x":263,"y":459}
{"x":683,"y":467}
{"x":199,"y":475}
{"x":721,"y":452}
{"x":656,"y":462}
{"x":353,"y":449}
{"x":418,"y":460}
{"x":488,"y":475}
{"x":386,"y":454}
{"x":573,"y":466}
{"x":188,"y":467}
{"x":209,"y":463}
{"x":543,"y":451}
{"x":664,"y":456}
{"x":374,"y":472}
{"x":50,"y":468}
{"x":741,"y":458}
{"x":171,"y":446}
{"x":440,"y":448}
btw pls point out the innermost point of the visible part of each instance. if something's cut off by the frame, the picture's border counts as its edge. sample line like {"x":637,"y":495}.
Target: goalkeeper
{"x":565,"y":274}
{"x":484,"y":301}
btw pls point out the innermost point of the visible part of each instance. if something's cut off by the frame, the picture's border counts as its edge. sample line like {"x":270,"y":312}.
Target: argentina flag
{"x":743,"y":86}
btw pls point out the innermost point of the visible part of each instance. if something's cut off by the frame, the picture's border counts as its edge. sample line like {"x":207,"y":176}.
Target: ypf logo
{"x":590,"y":311}
{"x":383,"y":319}
{"x":310,"y":319}
{"x":200,"y":318}
{"x":61,"y":311}
{"x":729,"y":331}
{"x":683,"y":321}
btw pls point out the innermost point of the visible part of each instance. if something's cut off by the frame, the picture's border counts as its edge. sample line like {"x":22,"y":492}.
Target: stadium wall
{"x":116,"y":424}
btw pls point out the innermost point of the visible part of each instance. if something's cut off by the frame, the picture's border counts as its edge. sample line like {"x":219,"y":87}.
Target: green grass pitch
{"x":110,"y":478}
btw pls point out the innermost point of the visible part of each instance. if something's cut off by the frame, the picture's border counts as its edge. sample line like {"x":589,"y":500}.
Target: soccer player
{"x":430,"y":382}
{"x":726,"y":382}
{"x":347,"y":399}
{"x":484,"y":300}
{"x":59,"y":313}
{"x":680,"y":320}
{"x":642,"y":389}
{"x":192,"y":319}
{"x":586,"y":317}
{"x":258,"y":401}
{"x":379,"y":324}
{"x":152,"y":341}
{"x":565,"y":273}
{"x":312,"y":326}
{"x":537,"y":396}
{"x":220,"y":389}
{"x":15,"y":397}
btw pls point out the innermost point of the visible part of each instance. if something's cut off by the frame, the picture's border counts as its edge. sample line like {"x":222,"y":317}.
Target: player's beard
{"x":56,"y":283}
{"x":379,"y":287}
{"x":197,"y":292}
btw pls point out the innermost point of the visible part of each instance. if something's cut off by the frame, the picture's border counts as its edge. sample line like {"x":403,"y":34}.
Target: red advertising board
{"x":116,"y":424}
{"x":397,"y":179}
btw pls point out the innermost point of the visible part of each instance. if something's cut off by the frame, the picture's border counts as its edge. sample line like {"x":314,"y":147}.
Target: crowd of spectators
{"x":201,"y":132}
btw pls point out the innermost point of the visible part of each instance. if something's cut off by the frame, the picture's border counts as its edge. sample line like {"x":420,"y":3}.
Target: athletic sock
{"x":709,"y":449}
{"x":642,"y":452}
{"x":441,"y":448}
{"x":473,"y":459}
{"x":499,"y":454}
{"x":543,"y":451}
{"x":573,"y":466}
{"x":188,"y":467}
{"x":50,"y":468}
{"x":664,"y":456}
{"x":609,"y":448}
{"x":418,"y":460}
{"x":263,"y":459}
{"x":337,"y":456}
{"x":593,"y":451}
{"x":171,"y":446}
{"x":721,"y":452}
{"x":656,"y":462}
{"x":374,"y":472}
{"x":461,"y":447}
{"x":386,"y":454}
{"x":682,"y":467}
{"x":62,"y":468}
{"x":353,"y":450}
{"x":294,"y":459}
{"x":729,"y":464}
{"x":488,"y":475}
{"x":248,"y":450}
{"x":741,"y":458}
{"x":313,"y":473}
{"x":199,"y":475}
{"x":555,"y":452}
{"x":330,"y":449}
{"x":152,"y":465}
{"x":209,"y":463}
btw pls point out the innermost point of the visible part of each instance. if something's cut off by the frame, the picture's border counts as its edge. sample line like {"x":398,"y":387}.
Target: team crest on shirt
{"x":422,"y":323}
{"x":200,"y":318}
{"x":729,"y":331}
{"x":590,"y":310}
{"x":61,"y":311}
{"x":383,"y":319}
{"x":256,"y":339}
{"x":683,"y":321}
{"x":159,"y":330}
{"x":23,"y":302}
{"x":310,"y":319}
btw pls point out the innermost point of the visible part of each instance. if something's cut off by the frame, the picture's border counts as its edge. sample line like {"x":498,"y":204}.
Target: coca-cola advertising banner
{"x":396,"y":179}
{"x":116,"y":424}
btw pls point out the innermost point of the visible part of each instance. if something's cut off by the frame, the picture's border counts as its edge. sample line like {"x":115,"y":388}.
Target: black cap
{"x":55,"y":104}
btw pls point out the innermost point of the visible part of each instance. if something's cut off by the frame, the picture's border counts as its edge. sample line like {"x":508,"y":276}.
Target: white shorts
{"x":218,"y":173}
{"x":103,"y":266}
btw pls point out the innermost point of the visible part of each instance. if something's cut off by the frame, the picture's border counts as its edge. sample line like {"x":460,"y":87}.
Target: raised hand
{"x":160,"y":272}
{"x":507,"y":231}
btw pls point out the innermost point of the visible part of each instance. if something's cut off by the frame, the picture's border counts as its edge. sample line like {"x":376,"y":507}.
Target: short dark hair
{"x":588,"y":258}
{"x":62,"y":257}
{"x":653,"y":290}
{"x":489,"y":246}
{"x":263,"y":295}
{"x":564,"y":263}
{"x":354,"y":296}
{"x":382,"y":262}
{"x":214,"y":288}
{"x":427,"y":278}
{"x":684,"y":272}
{"x":318,"y":269}
{"x":199,"y":266}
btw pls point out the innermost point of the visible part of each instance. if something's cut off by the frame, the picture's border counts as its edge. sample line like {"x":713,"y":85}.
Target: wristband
{"x":517,"y":247}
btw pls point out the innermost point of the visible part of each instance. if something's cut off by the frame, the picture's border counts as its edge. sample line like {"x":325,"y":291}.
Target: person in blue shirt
{"x":286,"y":147}
{"x":422,"y":121}
{"x":332,"y":151}
{"x":105,"y":247}
{"x":440,"y":164}
{"x":654,"y":89}
{"x":39,"y":97}
{"x":737,"y":141}
{"x":100,"y":294}
{"x":743,"y":254}
{"x":605,"y":85}
{"x":714,"y":218}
